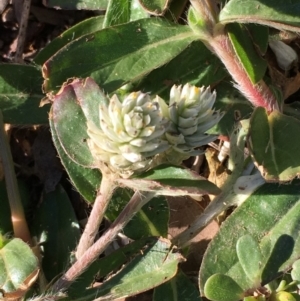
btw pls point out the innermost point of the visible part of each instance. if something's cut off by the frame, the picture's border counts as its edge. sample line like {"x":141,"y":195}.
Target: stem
{"x":133,"y":206}
{"x":258,"y":94}
{"x":22,"y":31}
{"x":17,"y":213}
{"x":227,"y":197}
{"x":100,"y":205}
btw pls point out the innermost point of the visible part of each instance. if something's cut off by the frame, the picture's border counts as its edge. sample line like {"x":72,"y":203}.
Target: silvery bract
{"x":130,"y":134}
{"x":191,"y":114}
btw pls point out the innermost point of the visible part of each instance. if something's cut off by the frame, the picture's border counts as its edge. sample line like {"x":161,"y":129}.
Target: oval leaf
{"x":271,"y":215}
{"x":18,"y":268}
{"x":273,"y":145}
{"x":70,"y":126}
{"x":250,"y":258}
{"x":220,"y":287}
{"x":296,"y":271}
{"x":86,"y":180}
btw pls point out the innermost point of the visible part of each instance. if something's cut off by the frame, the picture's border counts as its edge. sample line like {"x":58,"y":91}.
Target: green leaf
{"x":155,"y":7}
{"x":57,"y":230}
{"x":156,"y":265}
{"x":235,"y":106}
{"x":221,"y":287}
{"x":109,"y":264}
{"x":18,"y":268}
{"x":69,"y":123}
{"x":273,"y":145}
{"x":250,"y":258}
{"x":254,"y":65}
{"x":85,"y":27}
{"x":271,"y":215}
{"x":117,"y":12}
{"x":198,"y":66}
{"x":128,"y":51}
{"x":20,"y":95}
{"x":178,"y":288}
{"x":85,"y":180}
{"x":260,"y":37}
{"x":151,"y":220}
{"x":296,"y":270}
{"x":175,"y":10}
{"x":171,"y":180}
{"x":137,"y":12}
{"x":75,"y":4}
{"x":279,"y":14}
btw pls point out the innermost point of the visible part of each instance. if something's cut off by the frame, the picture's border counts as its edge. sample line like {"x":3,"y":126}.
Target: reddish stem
{"x":258,"y":94}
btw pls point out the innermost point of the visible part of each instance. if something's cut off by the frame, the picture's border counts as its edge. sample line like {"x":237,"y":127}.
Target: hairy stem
{"x":17,"y":212}
{"x":137,"y":201}
{"x":258,"y":94}
{"x":227,"y":197}
{"x":100,"y":205}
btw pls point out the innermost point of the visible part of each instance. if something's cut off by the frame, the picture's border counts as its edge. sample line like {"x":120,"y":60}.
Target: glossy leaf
{"x":195,"y":65}
{"x":110,"y":264}
{"x":271,"y":215}
{"x":57,"y":230}
{"x":171,"y":180}
{"x":18,"y":268}
{"x":178,"y":288}
{"x":85,"y":27}
{"x":273,"y":145}
{"x":21,"y":95}
{"x":151,"y":220}
{"x":254,"y":65}
{"x":128,"y":51}
{"x":155,"y":7}
{"x":279,"y":14}
{"x":75,"y":4}
{"x":221,"y":287}
{"x":250,"y":258}
{"x":155,"y":266}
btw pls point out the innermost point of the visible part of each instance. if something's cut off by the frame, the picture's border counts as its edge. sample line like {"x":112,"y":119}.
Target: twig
{"x":104,"y":195}
{"x":137,"y":201}
{"x":22,"y":32}
{"x":17,"y":213}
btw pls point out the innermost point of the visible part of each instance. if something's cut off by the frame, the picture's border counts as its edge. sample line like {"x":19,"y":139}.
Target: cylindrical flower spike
{"x":191,"y":114}
{"x":130,"y":135}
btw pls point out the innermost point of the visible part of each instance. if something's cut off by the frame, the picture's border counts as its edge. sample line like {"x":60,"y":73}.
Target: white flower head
{"x":192,"y":115}
{"x":130,"y":134}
